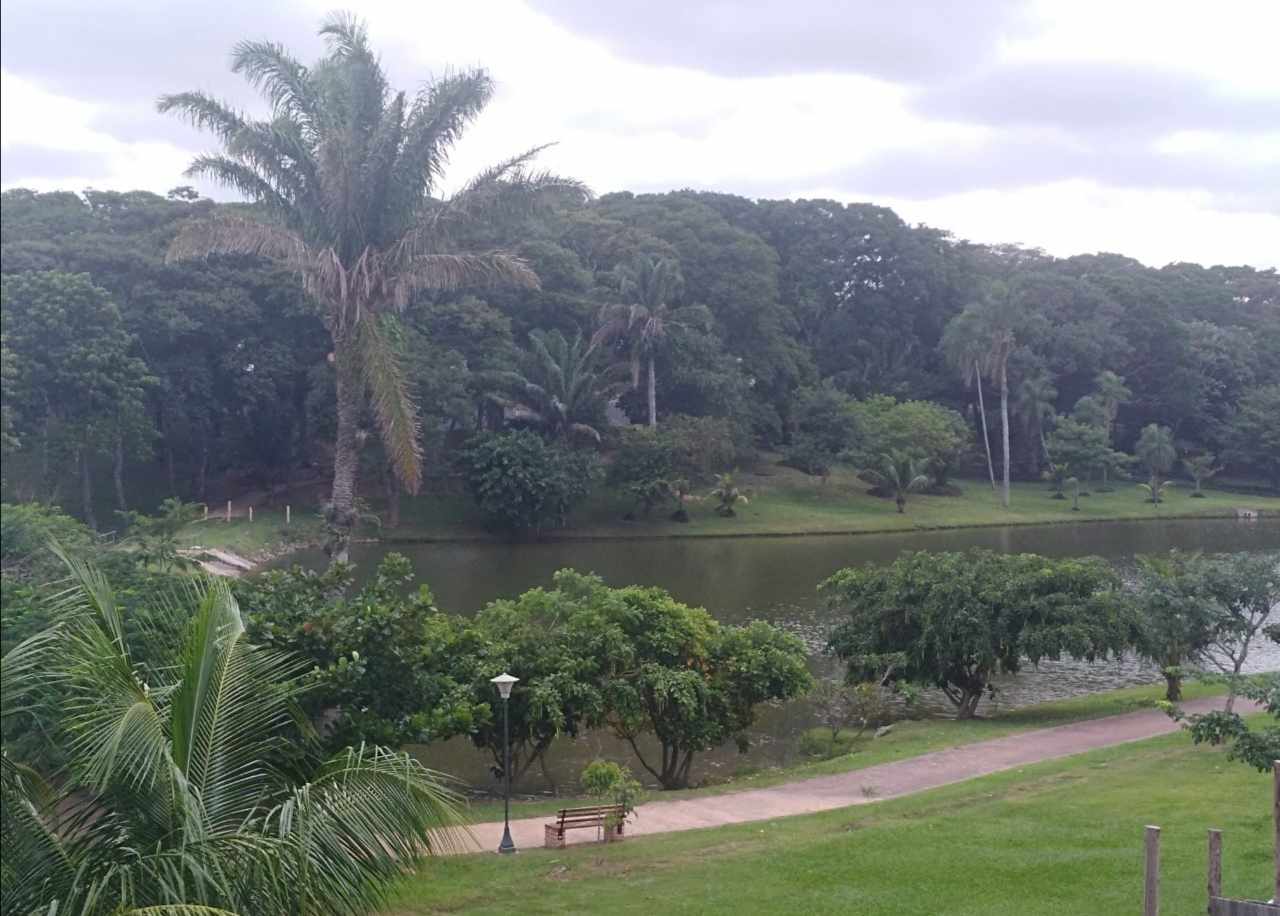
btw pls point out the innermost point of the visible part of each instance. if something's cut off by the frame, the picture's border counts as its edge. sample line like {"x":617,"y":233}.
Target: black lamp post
{"x":504,"y":682}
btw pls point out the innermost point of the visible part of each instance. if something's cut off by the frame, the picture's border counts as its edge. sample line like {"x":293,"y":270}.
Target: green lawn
{"x":266,"y":536}
{"x":784,"y":501}
{"x":1063,"y":837}
{"x":908,"y":739}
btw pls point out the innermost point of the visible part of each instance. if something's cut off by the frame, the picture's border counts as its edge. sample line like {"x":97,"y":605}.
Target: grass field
{"x":907,"y":739}
{"x":1063,"y":837}
{"x":784,"y":501}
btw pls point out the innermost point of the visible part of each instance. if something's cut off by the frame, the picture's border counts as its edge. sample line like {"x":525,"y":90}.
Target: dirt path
{"x":872,"y":784}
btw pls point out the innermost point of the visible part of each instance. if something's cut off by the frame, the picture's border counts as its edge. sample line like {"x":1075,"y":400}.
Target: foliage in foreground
{"x":192,"y":783}
{"x":1258,"y":748}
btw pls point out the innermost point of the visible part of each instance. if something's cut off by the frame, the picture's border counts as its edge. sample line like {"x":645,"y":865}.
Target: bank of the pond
{"x":1061,"y":837}
{"x":909,"y":738}
{"x":783,"y":503}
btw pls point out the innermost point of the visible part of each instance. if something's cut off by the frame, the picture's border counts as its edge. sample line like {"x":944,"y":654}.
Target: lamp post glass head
{"x":504,"y":682}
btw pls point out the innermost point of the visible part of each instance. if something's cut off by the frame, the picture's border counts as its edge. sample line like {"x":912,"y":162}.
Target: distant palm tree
{"x":190,"y":786}
{"x":1113,"y":394}
{"x":563,"y":385}
{"x":344,"y":175}
{"x":998,"y":317}
{"x":1155,"y":449}
{"x":965,"y":348}
{"x":645,"y":317}
{"x":1201,"y":468}
{"x":727,"y":495}
{"x":899,"y":474}
{"x":1035,"y":403}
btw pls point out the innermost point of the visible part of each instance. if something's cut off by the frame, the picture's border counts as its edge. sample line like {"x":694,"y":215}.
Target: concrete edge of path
{"x":863,"y":786}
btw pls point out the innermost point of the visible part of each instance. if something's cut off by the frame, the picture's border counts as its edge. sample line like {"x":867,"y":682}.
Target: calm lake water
{"x":775,"y":579}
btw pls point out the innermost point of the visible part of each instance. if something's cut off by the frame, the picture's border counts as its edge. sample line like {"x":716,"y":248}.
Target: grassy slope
{"x":262,"y":538}
{"x":908,"y":739}
{"x":787,"y":502}
{"x":1063,"y":837}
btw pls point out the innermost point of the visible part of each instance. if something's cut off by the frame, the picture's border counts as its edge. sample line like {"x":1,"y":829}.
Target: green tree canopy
{"x":955,"y":620}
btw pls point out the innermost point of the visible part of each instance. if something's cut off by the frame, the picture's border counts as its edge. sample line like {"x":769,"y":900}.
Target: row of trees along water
{"x":178,"y":344}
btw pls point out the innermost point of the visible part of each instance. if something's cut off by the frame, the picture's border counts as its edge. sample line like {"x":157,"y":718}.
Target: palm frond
{"x":232,"y":174}
{"x":238,"y":235}
{"x":203,"y":112}
{"x":457,"y":271}
{"x":392,"y":403}
{"x":436,"y":120}
{"x":281,"y":78}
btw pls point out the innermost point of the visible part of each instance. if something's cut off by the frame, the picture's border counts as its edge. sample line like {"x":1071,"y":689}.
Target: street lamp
{"x":504,"y":682}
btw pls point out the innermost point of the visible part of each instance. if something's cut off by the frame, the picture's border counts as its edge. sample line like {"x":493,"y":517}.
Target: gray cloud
{"x":135,"y":50}
{"x":1096,"y":96}
{"x":767,"y":38}
{"x":1020,"y":159}
{"x":19,"y":163}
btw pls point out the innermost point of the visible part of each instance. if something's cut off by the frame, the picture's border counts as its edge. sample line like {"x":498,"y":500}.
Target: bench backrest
{"x":589,"y":816}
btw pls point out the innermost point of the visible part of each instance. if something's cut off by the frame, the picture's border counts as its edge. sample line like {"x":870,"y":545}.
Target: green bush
{"x":522,"y":483}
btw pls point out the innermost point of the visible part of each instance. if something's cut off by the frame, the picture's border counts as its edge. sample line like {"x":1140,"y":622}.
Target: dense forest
{"x":122,"y":368}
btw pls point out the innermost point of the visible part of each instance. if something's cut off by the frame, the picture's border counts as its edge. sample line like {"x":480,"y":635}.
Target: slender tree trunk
{"x":346,"y":451}
{"x":202,"y":471}
{"x":653,"y":394}
{"x":86,"y":487}
{"x":117,"y":472}
{"x":1173,"y":687}
{"x":1004,"y":427}
{"x":986,"y":439}
{"x":392,"y":487}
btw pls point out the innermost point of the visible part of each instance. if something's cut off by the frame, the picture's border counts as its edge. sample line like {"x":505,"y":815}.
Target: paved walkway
{"x":870,"y":784}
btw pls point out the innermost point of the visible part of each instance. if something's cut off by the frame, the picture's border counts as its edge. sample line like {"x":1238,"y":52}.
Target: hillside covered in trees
{"x":122,"y":370}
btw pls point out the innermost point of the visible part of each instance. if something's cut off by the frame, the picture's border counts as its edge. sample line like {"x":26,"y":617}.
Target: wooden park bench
{"x":608,"y":818}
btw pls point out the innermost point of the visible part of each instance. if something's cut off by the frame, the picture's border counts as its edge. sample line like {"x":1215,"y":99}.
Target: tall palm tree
{"x":344,"y":175}
{"x":998,"y":317}
{"x":1112,"y":394}
{"x":1035,"y":402}
{"x":898,"y":473}
{"x":191,"y":786}
{"x":646,"y":316}
{"x":1155,"y":449}
{"x":563,"y":385}
{"x":965,"y":348}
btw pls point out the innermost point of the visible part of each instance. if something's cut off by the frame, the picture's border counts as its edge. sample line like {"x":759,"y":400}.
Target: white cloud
{"x":624,"y":122}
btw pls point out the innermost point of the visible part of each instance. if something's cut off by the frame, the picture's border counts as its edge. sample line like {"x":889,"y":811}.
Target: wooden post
{"x":251,"y":515}
{"x":1215,"y":863}
{"x":228,"y":510}
{"x":1151,"y":893}
{"x":1275,"y":814}
{"x":206,"y":512}
{"x":287,"y":514}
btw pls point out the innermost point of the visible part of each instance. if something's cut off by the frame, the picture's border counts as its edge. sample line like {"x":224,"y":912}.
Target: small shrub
{"x":522,"y":483}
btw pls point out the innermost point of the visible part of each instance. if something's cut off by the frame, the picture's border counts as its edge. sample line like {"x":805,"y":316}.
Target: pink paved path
{"x":871,"y":784}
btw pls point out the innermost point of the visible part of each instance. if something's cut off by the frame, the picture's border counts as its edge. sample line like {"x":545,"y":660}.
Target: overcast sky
{"x":1148,"y":127}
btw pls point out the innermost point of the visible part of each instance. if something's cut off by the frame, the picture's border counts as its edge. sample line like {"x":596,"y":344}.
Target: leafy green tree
{"x":646,"y":316}
{"x":1201,"y":467}
{"x":190,"y":786}
{"x":344,"y":175}
{"x":1112,"y":394}
{"x":932,"y":434}
{"x":690,"y":681}
{"x":955,"y":620}
{"x":383,"y":661}
{"x":1177,"y":617}
{"x":825,"y":426}
{"x":77,"y":379}
{"x":564,"y":386}
{"x":1082,"y":446}
{"x":1246,"y":591}
{"x":964,"y":346}
{"x":1034,"y":404}
{"x":522,"y":483}
{"x":1254,"y":434}
{"x":897,"y":474}
{"x":8,"y":376}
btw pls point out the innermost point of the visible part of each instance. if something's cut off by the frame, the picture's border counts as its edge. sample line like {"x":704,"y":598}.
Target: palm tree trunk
{"x":86,"y":487}
{"x":1004,"y":427}
{"x":986,"y":439}
{"x":346,"y":450}
{"x":117,"y":471}
{"x":653,"y":395}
